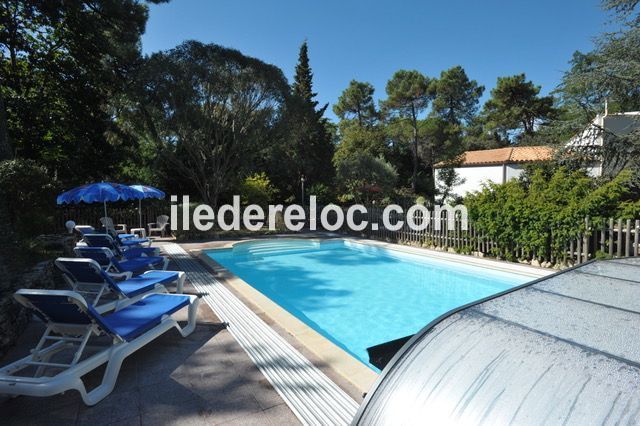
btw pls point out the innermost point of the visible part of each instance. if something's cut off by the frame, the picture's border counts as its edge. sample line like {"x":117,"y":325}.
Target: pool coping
{"x":339,"y":360}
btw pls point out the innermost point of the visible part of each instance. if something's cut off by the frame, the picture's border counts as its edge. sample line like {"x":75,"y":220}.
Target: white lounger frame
{"x":70,"y":378}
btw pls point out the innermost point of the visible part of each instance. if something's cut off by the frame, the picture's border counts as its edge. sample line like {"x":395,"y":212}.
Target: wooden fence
{"x":609,"y":238}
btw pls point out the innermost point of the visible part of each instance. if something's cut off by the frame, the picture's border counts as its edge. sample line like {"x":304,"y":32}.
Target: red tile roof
{"x":518,"y":154}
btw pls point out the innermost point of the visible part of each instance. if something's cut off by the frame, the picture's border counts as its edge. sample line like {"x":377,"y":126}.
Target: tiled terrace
{"x":206,"y":378}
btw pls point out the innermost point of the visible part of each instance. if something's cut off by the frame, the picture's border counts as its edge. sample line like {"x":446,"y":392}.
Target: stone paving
{"x":205,"y":378}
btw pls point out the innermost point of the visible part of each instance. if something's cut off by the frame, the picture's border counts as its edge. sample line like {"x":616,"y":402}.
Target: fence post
{"x":611,"y":237}
{"x":619,"y":250}
{"x":602,"y":236}
{"x":636,"y":238}
{"x":579,"y":251}
{"x":627,"y":248}
{"x":585,"y":255}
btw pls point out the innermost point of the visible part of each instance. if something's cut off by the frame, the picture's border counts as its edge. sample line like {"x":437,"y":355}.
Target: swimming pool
{"x":358,"y":295}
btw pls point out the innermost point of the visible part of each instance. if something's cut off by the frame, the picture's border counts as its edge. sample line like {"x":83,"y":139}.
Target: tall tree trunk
{"x":432,"y":183}
{"x":6,"y":153}
{"x":414,"y":176}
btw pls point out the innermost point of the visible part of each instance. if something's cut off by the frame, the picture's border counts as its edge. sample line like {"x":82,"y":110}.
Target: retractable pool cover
{"x":564,"y":349}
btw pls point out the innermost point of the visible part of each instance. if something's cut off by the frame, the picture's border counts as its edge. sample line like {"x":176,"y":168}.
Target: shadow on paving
{"x":205,"y":378}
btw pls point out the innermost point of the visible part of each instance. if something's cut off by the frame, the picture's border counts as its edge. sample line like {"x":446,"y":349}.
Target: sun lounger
{"x":71,"y":323}
{"x":120,"y":247}
{"x":88,"y":230}
{"x":110,"y":262}
{"x":86,"y":277}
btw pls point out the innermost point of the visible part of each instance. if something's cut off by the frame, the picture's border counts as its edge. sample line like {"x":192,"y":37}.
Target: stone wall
{"x":13,"y":317}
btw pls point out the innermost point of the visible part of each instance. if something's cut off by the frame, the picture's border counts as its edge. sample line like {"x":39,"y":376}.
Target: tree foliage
{"x":62,"y":62}
{"x":609,"y":74}
{"x":456,"y":97}
{"x":356,"y":102}
{"x":360,"y":128}
{"x":516,"y":109}
{"x":408,"y":96}
{"x":208,"y":108}
{"x":625,"y":9}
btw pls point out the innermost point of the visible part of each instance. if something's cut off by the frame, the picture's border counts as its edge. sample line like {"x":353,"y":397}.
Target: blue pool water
{"x":355,"y":294}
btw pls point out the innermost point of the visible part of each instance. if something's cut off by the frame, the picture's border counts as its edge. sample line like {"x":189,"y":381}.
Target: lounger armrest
{"x":144,"y":250}
{"x":132,"y":252}
{"x":120,"y":275}
{"x":152,"y":224}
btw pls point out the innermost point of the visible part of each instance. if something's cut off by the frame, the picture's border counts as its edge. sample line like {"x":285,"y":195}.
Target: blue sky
{"x":370,"y":40}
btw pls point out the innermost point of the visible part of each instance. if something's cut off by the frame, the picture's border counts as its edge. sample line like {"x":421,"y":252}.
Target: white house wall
{"x":514,"y":171}
{"x":474,"y":177}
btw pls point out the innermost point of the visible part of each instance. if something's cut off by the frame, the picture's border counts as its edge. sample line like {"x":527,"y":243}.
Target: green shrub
{"x":257,"y":189}
{"x":542,"y":212}
{"x":324,"y":194}
{"x":30,"y":195}
{"x":365,"y":178}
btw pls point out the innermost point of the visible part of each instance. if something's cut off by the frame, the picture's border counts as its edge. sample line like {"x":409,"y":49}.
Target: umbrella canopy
{"x":149,"y":192}
{"x":99,"y":192}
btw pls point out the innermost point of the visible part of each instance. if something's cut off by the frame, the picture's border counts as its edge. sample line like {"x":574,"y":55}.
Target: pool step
{"x":275,"y":247}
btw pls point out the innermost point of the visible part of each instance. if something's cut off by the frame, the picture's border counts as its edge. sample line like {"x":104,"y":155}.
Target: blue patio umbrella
{"x":149,"y":192}
{"x":99,"y":192}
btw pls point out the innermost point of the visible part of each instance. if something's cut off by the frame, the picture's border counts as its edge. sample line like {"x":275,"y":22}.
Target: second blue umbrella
{"x":149,"y":192}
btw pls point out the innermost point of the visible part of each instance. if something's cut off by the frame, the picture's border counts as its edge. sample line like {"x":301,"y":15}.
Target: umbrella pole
{"x":140,"y":213}
{"x":104,"y":203}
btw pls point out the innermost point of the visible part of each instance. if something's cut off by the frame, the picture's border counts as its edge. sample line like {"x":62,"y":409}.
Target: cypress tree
{"x":303,"y":80}
{"x":311,"y":140}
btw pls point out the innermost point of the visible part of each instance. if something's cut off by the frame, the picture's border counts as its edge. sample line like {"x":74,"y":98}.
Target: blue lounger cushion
{"x":139,"y":263}
{"x":139,"y":251}
{"x":145,"y":282}
{"x":105,"y":240}
{"x":133,"y":241}
{"x":67,"y":307}
{"x":142,"y":316}
{"x":105,"y":258}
